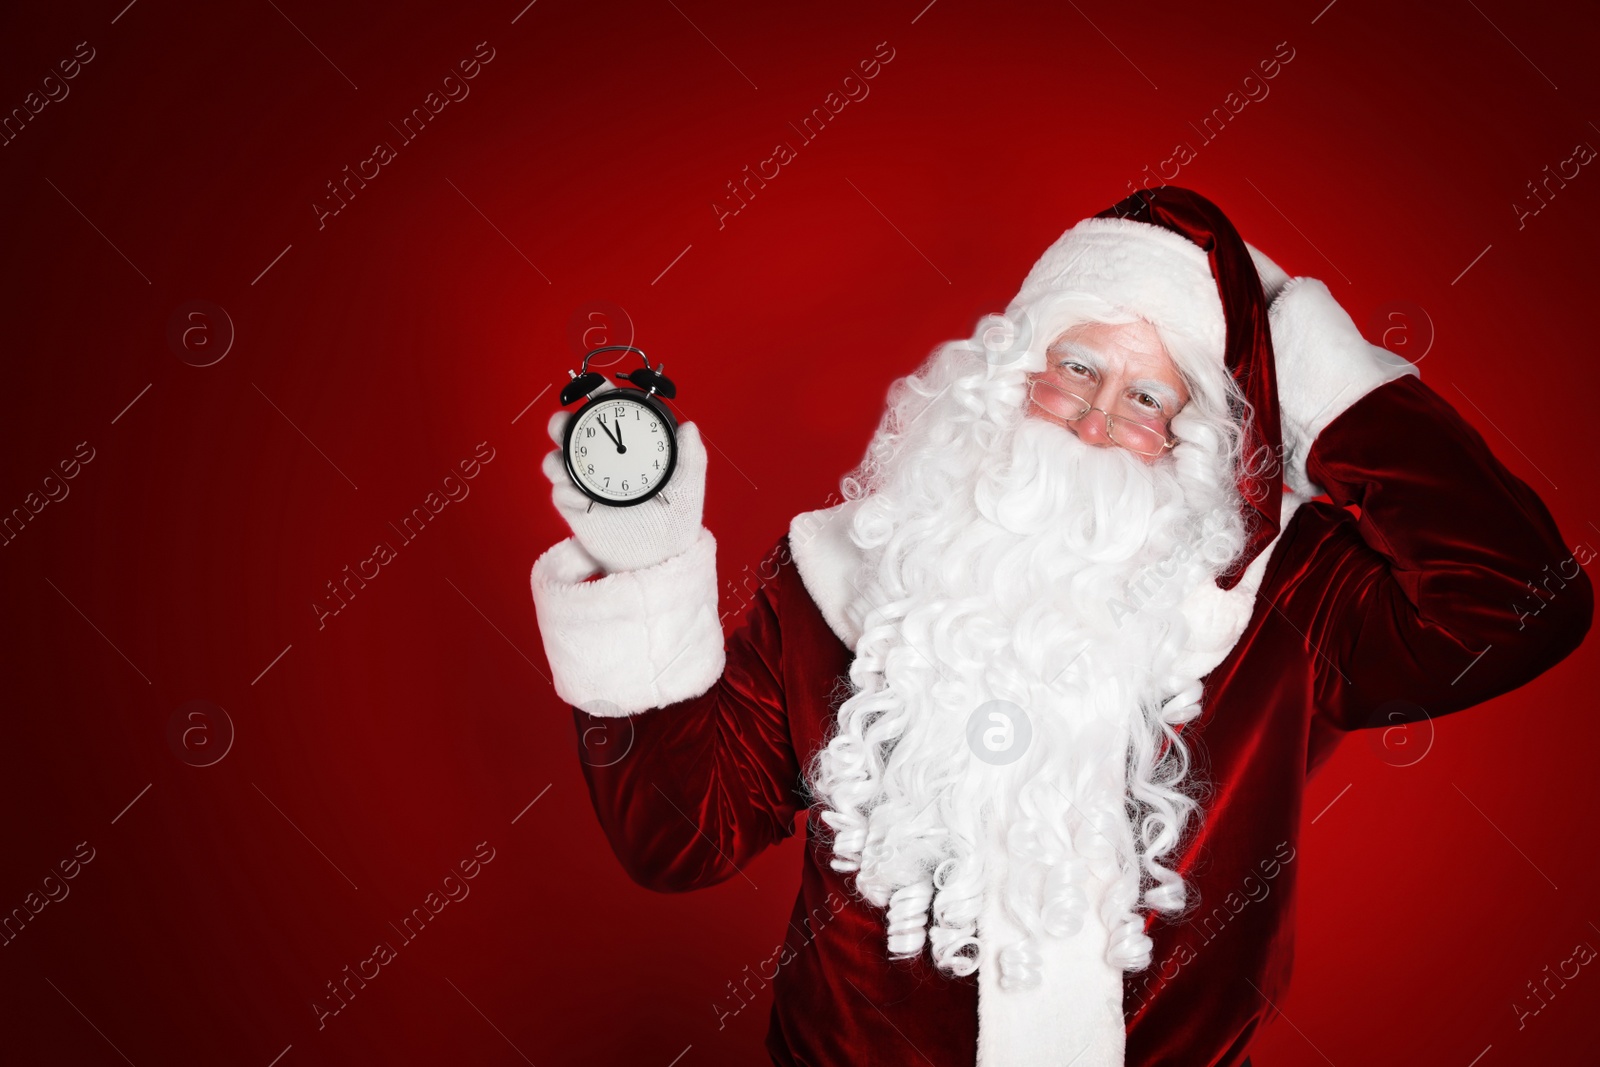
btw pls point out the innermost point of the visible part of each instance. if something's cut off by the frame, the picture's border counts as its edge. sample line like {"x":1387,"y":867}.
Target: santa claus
{"x":1115,"y":576}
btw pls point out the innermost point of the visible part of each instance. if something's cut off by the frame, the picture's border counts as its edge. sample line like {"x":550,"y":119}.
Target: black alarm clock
{"x":621,"y":446}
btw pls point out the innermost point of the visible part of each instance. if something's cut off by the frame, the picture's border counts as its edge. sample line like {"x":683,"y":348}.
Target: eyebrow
{"x":1163,"y":392}
{"x":1087,"y":355}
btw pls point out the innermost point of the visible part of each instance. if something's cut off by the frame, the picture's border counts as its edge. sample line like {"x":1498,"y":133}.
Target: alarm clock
{"x":621,"y":446}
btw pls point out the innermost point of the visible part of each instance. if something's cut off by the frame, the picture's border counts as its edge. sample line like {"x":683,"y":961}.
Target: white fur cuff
{"x":634,"y":640}
{"x":1324,"y":365}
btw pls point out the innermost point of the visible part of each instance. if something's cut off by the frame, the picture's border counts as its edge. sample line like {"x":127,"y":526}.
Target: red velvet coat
{"x":1406,"y":595}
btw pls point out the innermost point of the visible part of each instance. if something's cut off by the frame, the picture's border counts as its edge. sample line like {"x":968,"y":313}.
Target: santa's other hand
{"x":1324,"y":366}
{"x":632,"y":538}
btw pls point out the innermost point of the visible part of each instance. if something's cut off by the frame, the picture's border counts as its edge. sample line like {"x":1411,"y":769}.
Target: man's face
{"x":1120,"y":370}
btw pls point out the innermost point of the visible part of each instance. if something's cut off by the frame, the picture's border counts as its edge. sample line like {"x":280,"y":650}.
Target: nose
{"x":1092,"y":430}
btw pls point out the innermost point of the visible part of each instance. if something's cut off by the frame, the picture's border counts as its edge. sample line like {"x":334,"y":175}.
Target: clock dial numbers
{"x":618,"y":451}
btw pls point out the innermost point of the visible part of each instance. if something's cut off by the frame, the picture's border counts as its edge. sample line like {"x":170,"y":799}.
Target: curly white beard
{"x":1005,"y":560}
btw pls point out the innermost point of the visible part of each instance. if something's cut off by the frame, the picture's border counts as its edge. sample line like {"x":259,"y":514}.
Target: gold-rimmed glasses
{"x":1136,"y":435}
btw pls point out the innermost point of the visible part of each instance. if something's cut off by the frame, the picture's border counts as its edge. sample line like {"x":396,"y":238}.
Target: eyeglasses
{"x":1135,"y":436}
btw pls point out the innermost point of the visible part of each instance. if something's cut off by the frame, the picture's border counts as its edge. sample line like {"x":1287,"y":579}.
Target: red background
{"x":381,"y":349}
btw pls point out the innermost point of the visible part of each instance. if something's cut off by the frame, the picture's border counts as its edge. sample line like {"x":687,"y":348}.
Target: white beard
{"x":1008,"y":561}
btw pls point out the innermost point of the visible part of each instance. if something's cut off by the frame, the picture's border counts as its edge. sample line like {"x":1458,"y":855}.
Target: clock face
{"x":620,"y":451}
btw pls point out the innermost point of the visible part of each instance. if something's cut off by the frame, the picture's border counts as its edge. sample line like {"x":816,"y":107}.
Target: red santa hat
{"x":1171,"y":257}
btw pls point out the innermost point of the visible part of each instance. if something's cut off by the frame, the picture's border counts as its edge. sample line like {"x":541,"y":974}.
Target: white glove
{"x":1324,"y":365}
{"x":632,"y":538}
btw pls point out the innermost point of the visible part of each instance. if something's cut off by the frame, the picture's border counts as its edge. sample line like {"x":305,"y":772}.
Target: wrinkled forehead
{"x":1134,"y":346}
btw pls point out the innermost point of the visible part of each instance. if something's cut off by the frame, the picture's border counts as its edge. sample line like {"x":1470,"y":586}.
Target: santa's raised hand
{"x":632,"y":538}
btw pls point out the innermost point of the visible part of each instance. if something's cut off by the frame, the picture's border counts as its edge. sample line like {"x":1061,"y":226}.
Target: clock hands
{"x":614,"y":435}
{"x":616,"y":438}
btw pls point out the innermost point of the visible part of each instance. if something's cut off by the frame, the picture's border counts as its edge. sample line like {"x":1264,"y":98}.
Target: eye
{"x":1077,"y":370}
{"x":1145,"y":402}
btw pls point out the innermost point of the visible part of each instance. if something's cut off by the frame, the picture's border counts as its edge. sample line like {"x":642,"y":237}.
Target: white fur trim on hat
{"x":1141,"y":268}
{"x":633,"y":640}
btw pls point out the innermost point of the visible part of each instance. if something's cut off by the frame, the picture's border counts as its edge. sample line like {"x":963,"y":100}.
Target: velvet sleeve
{"x":689,"y":793}
{"x":1440,"y":580}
